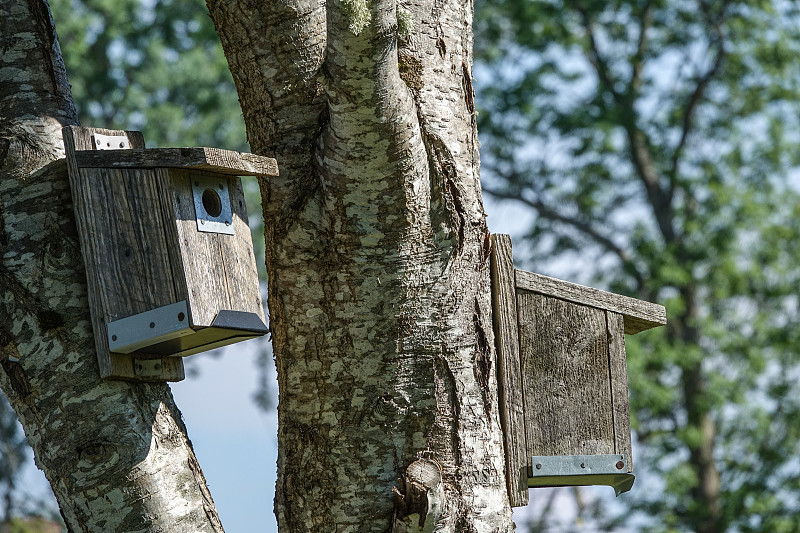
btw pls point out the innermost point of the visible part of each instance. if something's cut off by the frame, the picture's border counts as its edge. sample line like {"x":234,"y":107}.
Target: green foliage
{"x":152,"y":65}
{"x":657,"y":143}
{"x":358,"y":15}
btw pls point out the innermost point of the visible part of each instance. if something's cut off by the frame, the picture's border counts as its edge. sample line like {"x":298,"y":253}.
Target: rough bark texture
{"x":377,"y":252}
{"x":116,"y":454}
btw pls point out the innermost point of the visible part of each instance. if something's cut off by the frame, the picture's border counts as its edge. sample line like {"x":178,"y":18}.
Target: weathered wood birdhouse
{"x":167,"y":248}
{"x":562,"y":378}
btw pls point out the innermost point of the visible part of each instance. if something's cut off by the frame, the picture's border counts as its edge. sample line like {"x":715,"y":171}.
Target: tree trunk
{"x":115,"y":453}
{"x":377,"y":253}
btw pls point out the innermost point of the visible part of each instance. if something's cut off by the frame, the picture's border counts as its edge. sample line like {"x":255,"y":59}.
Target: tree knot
{"x":421,"y":494}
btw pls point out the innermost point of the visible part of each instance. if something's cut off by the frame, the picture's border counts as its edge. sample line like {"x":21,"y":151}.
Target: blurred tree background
{"x":655,"y":143}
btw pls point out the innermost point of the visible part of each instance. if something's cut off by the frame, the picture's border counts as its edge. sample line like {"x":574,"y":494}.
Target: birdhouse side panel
{"x":219,"y":268}
{"x":565,"y":369}
{"x":128,"y":244}
{"x":119,"y":215}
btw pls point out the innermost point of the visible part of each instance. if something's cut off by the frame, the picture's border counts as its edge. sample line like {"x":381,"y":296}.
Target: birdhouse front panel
{"x":167,"y":249}
{"x":219,"y":263}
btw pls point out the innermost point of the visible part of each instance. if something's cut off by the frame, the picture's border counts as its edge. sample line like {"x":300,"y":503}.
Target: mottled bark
{"x":116,"y":454}
{"x":377,"y":252}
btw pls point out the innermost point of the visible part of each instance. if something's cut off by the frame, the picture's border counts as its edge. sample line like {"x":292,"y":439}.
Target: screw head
{"x":583,"y":465}
{"x":152,"y":325}
{"x":620,"y":465}
{"x":538,"y":466}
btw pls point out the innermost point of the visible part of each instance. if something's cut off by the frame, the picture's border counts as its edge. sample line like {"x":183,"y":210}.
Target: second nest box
{"x":562,"y":378}
{"x":167,"y":248}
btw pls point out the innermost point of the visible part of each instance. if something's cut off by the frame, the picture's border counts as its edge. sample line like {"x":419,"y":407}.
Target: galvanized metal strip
{"x":212,"y":204}
{"x":581,"y":470}
{"x":151,"y":327}
{"x":575,"y":465}
{"x":110,"y":142}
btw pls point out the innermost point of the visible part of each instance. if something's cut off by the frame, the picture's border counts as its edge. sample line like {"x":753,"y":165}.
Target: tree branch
{"x":641,"y":47}
{"x":583,"y":227}
{"x":596,"y":58}
{"x":368,"y":98}
{"x":690,"y":108}
{"x":275,"y":51}
{"x":659,"y":198}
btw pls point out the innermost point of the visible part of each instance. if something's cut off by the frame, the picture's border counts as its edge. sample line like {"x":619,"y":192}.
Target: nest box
{"x":167,"y":248}
{"x":562,"y":378}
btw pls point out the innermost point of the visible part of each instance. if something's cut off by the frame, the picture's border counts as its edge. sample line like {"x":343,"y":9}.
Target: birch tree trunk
{"x":116,"y":454}
{"x":377,"y":253}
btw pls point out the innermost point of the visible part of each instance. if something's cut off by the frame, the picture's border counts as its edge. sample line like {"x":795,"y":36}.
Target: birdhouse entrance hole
{"x":212,"y":204}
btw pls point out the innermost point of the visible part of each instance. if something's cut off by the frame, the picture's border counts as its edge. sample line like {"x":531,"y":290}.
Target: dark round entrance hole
{"x":212,"y":203}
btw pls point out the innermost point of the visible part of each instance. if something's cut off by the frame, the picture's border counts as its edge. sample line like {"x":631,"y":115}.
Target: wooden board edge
{"x":199,"y":158}
{"x":639,"y":314}
{"x":509,"y":377}
{"x":119,"y":366}
{"x":618,"y":371}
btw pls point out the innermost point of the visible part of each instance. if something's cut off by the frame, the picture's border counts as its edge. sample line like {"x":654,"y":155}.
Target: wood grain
{"x":639,"y":315}
{"x":200,"y":158}
{"x":618,"y":370}
{"x":128,"y":265}
{"x":509,"y":376}
{"x":565,"y":370}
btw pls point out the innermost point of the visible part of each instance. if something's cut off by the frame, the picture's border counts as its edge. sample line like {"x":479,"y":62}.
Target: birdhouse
{"x":167,"y":248}
{"x":562,"y":378}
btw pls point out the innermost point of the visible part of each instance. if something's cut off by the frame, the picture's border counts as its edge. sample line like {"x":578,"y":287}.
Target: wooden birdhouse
{"x":167,"y":248}
{"x":562,"y":378}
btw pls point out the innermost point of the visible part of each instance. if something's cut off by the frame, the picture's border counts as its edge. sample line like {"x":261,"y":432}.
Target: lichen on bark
{"x":358,"y":15}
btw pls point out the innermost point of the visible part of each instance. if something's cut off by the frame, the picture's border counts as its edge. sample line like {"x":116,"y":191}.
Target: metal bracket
{"x":110,"y":142}
{"x":212,"y":204}
{"x":151,"y":327}
{"x":577,"y":465}
{"x":575,"y":470}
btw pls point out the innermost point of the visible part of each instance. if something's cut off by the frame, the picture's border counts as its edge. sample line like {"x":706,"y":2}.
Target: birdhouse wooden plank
{"x":509,"y":369}
{"x":563,"y":378}
{"x":167,"y":249}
